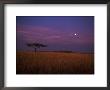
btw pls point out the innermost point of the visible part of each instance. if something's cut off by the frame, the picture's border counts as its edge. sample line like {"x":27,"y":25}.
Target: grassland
{"x":54,"y":63}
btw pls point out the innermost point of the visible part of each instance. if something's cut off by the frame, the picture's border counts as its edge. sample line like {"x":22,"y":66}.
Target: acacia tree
{"x":36,"y":46}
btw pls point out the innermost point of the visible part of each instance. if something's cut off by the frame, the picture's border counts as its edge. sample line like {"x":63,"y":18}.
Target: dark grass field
{"x":54,"y":63}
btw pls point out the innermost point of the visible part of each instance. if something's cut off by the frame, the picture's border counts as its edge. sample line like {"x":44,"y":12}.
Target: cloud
{"x":49,"y":35}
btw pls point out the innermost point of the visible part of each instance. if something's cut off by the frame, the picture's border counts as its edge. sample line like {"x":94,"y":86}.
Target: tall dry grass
{"x":54,"y":63}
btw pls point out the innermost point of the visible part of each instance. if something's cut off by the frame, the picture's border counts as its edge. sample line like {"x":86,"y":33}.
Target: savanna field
{"x":54,"y":63}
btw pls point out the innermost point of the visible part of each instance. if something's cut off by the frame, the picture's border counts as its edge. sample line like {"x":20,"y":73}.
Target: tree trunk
{"x":35,"y":51}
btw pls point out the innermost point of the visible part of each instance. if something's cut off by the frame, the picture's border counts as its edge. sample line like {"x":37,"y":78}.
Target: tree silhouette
{"x":35,"y":46}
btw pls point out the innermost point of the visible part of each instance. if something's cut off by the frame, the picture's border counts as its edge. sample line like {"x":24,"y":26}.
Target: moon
{"x":75,"y":34}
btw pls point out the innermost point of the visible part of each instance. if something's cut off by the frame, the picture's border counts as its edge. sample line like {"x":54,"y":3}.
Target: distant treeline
{"x":69,"y":52}
{"x":63,"y":51}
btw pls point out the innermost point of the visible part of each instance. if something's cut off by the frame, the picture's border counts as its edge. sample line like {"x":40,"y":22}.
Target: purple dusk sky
{"x":59,"y":33}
